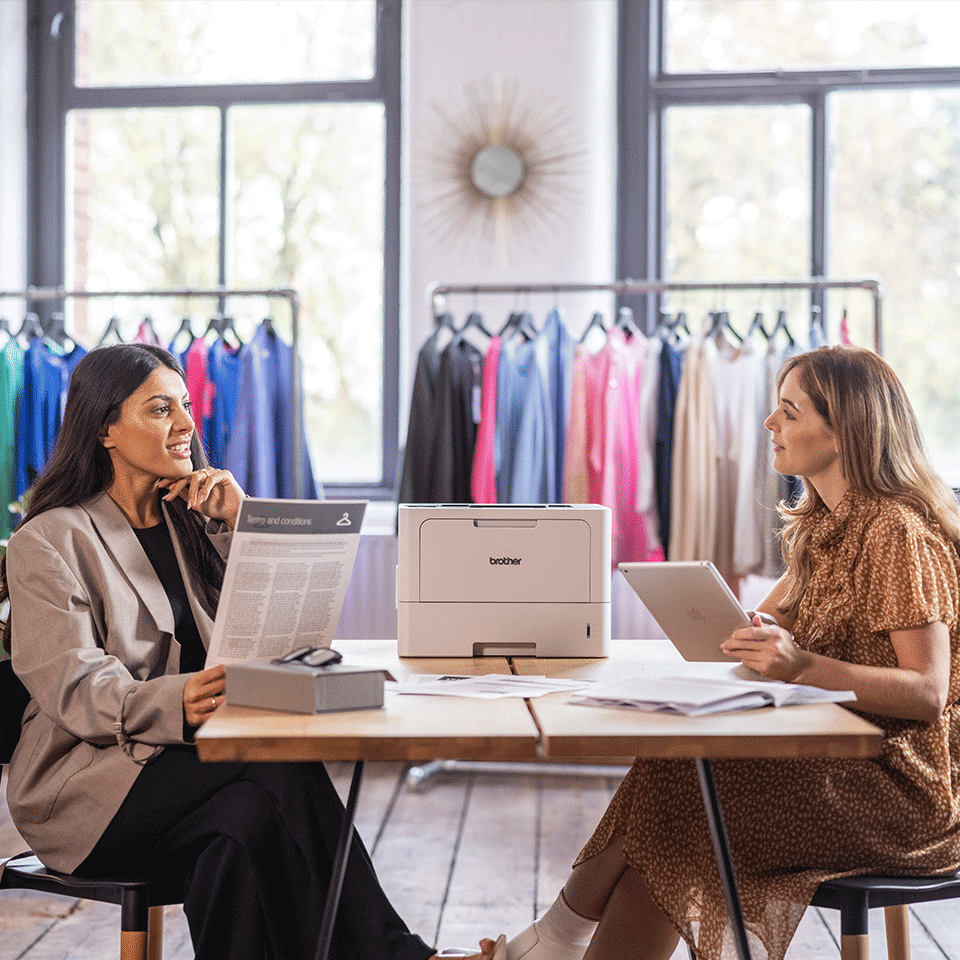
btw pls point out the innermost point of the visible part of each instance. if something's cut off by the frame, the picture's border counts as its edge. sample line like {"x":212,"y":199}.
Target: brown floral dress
{"x":878,"y":566}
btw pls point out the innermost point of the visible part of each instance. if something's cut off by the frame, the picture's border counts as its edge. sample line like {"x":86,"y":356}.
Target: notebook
{"x":691,"y":602}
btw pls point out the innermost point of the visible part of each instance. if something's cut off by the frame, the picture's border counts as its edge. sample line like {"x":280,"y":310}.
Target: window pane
{"x":309,"y":213}
{"x":143,"y":202}
{"x":896,"y":214}
{"x":737,"y":194}
{"x":166,"y":42}
{"x":746,"y":35}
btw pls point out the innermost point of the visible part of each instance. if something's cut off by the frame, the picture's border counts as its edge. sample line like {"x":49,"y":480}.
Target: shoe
{"x":529,"y":945}
{"x":499,"y":950}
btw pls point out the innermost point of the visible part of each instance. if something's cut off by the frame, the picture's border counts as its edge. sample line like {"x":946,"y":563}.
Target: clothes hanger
{"x":221,"y":324}
{"x":31,"y":329}
{"x":596,"y":323}
{"x":720,"y":324}
{"x":5,"y":327}
{"x":626,"y":323}
{"x":442,"y":322}
{"x":757,"y":324}
{"x":113,"y":329}
{"x":521,"y":322}
{"x":680,"y":323}
{"x":474,"y":321}
{"x":184,"y":328}
{"x":55,"y":334}
{"x":781,"y":324}
{"x":513,"y":322}
{"x":147,"y":323}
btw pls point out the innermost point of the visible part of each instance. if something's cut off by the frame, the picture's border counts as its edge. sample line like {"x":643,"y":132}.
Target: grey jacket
{"x":92,"y":639}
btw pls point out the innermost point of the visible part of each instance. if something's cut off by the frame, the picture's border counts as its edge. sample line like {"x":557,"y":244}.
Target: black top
{"x":158,"y":547}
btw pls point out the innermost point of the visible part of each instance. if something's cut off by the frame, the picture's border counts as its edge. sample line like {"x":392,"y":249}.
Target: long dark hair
{"x":81,"y":467}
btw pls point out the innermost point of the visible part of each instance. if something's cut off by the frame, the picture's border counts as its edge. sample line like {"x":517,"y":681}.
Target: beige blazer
{"x":92,"y":639}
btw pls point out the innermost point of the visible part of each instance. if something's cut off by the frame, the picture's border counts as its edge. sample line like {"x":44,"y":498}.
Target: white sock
{"x":560,"y":934}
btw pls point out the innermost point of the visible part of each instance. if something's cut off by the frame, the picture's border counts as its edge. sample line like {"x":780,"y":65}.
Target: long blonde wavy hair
{"x":880,"y":445}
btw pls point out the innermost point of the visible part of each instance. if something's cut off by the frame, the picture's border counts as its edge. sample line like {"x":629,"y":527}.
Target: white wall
{"x":560,"y":58}
{"x":13,"y":129}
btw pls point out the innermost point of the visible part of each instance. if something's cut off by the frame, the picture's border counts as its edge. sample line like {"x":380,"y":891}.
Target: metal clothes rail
{"x":38,"y":294}
{"x":438,"y":291}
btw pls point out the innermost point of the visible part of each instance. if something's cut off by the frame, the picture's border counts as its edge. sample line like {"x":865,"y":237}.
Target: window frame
{"x":52,"y":94}
{"x":647,"y":91}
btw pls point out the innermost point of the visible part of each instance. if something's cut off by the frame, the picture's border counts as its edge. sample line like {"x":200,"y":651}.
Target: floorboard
{"x":470,"y":855}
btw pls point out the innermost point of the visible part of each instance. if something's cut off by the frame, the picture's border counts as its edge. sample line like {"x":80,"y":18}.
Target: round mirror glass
{"x":497,"y":171}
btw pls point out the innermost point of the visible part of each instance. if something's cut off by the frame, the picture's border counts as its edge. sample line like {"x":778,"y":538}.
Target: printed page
{"x":286,"y":577}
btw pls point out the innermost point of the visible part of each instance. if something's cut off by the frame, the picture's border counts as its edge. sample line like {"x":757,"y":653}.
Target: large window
{"x":229,"y":143}
{"x":794,"y":138}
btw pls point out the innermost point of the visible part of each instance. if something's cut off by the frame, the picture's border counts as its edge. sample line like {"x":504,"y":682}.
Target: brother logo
{"x":513,"y":561}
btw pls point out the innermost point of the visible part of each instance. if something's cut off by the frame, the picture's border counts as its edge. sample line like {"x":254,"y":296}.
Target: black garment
{"x":455,"y":429}
{"x":415,"y":480}
{"x":158,"y":546}
{"x":256,"y":842}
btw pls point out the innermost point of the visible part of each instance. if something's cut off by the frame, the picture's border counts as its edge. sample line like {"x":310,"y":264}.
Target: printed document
{"x":696,"y":689}
{"x":286,"y":577}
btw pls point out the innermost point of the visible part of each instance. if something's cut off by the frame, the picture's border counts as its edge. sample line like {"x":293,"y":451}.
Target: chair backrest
{"x":13,"y":701}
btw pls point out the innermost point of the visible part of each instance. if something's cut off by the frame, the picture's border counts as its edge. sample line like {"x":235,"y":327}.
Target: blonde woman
{"x":869,"y":603}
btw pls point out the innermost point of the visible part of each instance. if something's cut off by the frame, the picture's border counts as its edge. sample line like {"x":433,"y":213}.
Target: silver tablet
{"x":691,"y":602}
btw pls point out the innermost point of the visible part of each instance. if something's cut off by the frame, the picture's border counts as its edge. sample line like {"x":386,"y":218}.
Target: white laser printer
{"x":503,"y":580}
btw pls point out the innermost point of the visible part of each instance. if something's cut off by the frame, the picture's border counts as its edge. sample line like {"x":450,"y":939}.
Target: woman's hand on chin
{"x":214,"y":493}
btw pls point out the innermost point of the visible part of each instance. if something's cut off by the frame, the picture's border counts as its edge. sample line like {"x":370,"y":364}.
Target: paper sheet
{"x":491,"y":686}
{"x":286,"y":577}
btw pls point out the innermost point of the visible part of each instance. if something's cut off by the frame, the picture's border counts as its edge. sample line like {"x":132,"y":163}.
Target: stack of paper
{"x":695,"y":689}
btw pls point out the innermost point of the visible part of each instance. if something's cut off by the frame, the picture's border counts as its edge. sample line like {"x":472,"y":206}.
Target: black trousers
{"x":256,"y":842}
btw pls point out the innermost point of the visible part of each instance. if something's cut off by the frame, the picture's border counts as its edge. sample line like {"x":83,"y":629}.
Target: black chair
{"x":855,"y":896}
{"x":141,"y":899}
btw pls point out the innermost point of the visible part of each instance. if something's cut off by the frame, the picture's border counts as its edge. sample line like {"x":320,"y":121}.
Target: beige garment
{"x":694,"y":479}
{"x":878,"y":566}
{"x":92,"y":636}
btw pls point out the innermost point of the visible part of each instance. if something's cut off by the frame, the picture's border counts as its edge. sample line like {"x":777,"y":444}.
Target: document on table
{"x":286,"y":577}
{"x":697,"y":689}
{"x":491,"y":686}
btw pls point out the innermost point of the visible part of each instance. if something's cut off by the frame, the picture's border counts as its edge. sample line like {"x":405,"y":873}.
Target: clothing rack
{"x":38,"y":294}
{"x":437,"y":292}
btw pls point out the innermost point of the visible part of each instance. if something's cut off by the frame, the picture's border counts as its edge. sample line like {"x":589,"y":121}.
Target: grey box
{"x":301,"y":689}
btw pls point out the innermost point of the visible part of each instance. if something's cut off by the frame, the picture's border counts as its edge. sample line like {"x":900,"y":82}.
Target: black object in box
{"x":301,"y":689}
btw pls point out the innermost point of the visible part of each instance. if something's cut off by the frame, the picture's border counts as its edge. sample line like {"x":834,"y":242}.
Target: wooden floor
{"x":472,"y":854}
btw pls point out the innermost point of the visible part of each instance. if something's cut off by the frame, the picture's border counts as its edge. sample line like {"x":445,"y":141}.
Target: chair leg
{"x":854,"y":946}
{"x":133,"y":945}
{"x":155,"y":934}
{"x":134,"y":924}
{"x":897,"y":921}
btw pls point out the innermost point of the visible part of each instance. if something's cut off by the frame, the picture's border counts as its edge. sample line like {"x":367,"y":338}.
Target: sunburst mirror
{"x":499,"y":170}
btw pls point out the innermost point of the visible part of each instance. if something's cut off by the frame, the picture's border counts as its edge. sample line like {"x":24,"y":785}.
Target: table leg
{"x":721,"y":849}
{"x":339,"y":865}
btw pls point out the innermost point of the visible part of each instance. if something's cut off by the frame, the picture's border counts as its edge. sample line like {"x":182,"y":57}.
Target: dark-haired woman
{"x":870,"y":602}
{"x":113,"y":579}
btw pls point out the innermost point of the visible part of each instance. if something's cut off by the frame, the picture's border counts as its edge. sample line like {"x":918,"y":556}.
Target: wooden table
{"x":437,"y":728}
